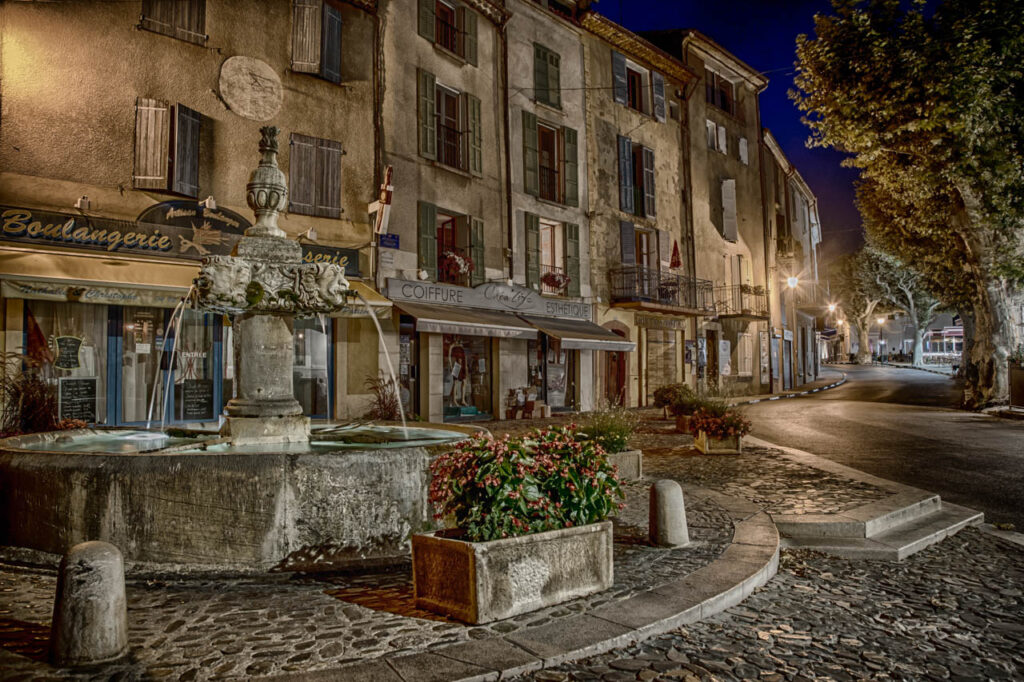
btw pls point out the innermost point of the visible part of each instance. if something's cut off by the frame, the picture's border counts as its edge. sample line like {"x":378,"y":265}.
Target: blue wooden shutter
{"x":532,"y":251}
{"x":626,"y":174}
{"x":627,"y":242}
{"x":619,"y":84}
{"x":330,"y":50}
{"x":427,"y":226}
{"x":427,"y":86}
{"x":540,"y":73}
{"x":531,"y":172}
{"x":572,"y":258}
{"x":187,"y":123}
{"x":658,"y":87}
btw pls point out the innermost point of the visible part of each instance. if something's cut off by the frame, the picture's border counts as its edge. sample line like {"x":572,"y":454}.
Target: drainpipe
{"x":378,"y":131}
{"x":506,"y":252}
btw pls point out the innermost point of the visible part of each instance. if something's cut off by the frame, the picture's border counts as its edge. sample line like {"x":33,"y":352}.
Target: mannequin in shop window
{"x":458,"y":372}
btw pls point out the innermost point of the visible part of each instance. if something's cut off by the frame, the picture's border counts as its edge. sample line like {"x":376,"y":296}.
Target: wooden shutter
{"x":476,"y":251}
{"x":627,"y":242}
{"x":743,"y":151}
{"x":554,"y":89}
{"x":658,"y":86}
{"x":476,"y":136}
{"x":469,"y":36}
{"x":306,"y":18}
{"x":531,"y":157}
{"x":427,"y":257}
{"x":626,"y":174}
{"x":187,"y":123}
{"x":712,"y":134}
{"x":572,"y":258}
{"x":327,"y":196}
{"x":570,"y":154}
{"x":729,"y":228}
{"x":426,"y":23}
{"x":649,"y":204}
{"x":709,"y":86}
{"x":532,"y":251}
{"x":664,"y":249}
{"x":302,"y":174}
{"x":190,"y":20}
{"x":723,"y":140}
{"x":152,"y":123}
{"x":158,"y":16}
{"x":619,"y":85}
{"x":330,"y":50}
{"x":540,"y":73}
{"x":427,"y":86}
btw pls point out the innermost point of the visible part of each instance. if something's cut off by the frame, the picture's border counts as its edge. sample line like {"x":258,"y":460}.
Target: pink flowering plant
{"x":552,"y":479}
{"x":718,"y":424}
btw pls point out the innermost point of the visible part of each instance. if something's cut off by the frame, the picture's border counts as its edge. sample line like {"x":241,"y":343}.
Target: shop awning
{"x":378,"y":304}
{"x":437,"y":319}
{"x":579,"y":334}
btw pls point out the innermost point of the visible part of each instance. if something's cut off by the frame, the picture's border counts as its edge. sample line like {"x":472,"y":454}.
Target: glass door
{"x":311,"y":368}
{"x":194,"y":395}
{"x":142,"y":335}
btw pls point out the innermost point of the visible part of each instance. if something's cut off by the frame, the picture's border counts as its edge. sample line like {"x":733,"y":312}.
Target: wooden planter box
{"x":1016,"y":385}
{"x":478,"y":582}
{"x":718,"y":446}
{"x":682,"y":423}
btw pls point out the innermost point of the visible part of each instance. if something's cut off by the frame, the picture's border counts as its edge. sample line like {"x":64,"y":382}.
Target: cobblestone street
{"x":954,"y":611}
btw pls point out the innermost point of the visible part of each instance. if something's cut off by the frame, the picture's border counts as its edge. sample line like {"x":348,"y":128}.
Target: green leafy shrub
{"x":610,"y":427}
{"x":495,"y":489}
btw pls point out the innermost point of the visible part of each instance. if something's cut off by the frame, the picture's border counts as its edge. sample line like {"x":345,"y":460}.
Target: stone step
{"x":898,"y":542}
{"x":864,"y":522}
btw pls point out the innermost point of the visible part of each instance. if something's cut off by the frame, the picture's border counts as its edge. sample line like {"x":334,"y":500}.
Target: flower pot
{"x":629,"y":463}
{"x":510,"y":414}
{"x":478,"y":582}
{"x":709,"y":445}
{"x":682,"y":423}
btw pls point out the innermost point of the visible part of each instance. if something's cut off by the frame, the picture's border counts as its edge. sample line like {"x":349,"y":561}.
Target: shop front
{"x":663,"y":357}
{"x":471,"y":353}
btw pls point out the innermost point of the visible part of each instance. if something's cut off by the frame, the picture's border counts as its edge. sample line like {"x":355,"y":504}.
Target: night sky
{"x":763,"y":34}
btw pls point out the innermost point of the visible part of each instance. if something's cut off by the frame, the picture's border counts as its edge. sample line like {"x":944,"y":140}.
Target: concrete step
{"x":896,"y":543}
{"x":864,"y":522}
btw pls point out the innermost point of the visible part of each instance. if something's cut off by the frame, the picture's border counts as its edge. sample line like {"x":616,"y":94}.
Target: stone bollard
{"x":667,"y":523}
{"x":90,"y":613}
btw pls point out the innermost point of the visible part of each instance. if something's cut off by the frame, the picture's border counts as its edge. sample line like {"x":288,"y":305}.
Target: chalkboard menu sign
{"x":77,"y":398}
{"x":67,"y":352}
{"x":197,"y":399}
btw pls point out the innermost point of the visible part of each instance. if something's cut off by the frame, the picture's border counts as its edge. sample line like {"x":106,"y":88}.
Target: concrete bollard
{"x":667,"y":523}
{"x":90,"y":613}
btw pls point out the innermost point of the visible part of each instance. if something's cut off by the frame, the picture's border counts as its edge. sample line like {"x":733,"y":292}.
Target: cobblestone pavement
{"x":953,"y":611}
{"x":208,"y":629}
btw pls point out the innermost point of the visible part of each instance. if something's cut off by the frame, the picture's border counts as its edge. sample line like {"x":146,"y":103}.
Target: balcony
{"x":810,"y":297}
{"x":550,"y":279}
{"x":637,"y":286}
{"x":454,"y":265}
{"x":742,"y":301}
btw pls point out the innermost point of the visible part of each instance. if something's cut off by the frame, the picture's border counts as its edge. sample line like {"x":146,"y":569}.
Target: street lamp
{"x":831,"y":307}
{"x":792,"y":282}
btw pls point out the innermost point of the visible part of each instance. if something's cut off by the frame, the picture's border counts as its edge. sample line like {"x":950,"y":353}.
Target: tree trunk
{"x":919,"y":346}
{"x":863,"y":343}
{"x":986,"y":378}
{"x":967,"y":321}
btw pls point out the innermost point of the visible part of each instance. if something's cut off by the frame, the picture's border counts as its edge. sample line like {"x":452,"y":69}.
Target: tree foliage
{"x":852,"y":279}
{"x":899,"y":287}
{"x":929,"y":104}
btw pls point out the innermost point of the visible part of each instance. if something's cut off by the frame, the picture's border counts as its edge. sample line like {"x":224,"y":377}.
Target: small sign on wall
{"x":388,"y":241}
{"x":724,"y":354}
{"x":68,"y":348}
{"x":77,"y":398}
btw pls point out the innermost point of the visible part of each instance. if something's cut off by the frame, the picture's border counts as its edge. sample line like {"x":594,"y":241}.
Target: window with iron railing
{"x":549,"y":183}
{"x":447,"y":33}
{"x":448,"y":146}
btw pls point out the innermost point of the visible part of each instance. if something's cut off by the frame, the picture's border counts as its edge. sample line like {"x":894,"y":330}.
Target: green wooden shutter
{"x":427,"y":256}
{"x":649,"y":203}
{"x":531,"y":173}
{"x":427,"y":85}
{"x":426,"y":23}
{"x":532,"y":251}
{"x":571,"y":153}
{"x":476,"y":248}
{"x":306,"y":16}
{"x":572,"y":258}
{"x":540,"y":73}
{"x":152,"y":123}
{"x":626,"y":174}
{"x":554,"y":85}
{"x":187,"y":123}
{"x":476,"y":137}
{"x":302,"y":174}
{"x":330,"y":51}
{"x":469,"y":37}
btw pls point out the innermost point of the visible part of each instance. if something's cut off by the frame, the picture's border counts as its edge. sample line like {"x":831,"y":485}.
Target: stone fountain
{"x":264,"y":494}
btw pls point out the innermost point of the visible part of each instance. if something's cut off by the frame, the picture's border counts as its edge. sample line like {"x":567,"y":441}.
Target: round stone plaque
{"x":251,"y":88}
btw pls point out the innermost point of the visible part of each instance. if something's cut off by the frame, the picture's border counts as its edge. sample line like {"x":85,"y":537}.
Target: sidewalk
{"x":945,"y":370}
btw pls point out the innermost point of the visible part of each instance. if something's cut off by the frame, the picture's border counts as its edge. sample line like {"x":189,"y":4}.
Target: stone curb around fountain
{"x":750,"y":561}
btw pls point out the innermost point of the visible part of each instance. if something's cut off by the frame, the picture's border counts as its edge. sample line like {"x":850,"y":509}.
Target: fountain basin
{"x":286,"y":507}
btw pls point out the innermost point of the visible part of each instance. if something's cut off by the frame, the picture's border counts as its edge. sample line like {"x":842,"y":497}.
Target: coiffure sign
{"x":488,"y":296}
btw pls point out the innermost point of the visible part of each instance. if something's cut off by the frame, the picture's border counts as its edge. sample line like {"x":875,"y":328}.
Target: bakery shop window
{"x":467,"y":377}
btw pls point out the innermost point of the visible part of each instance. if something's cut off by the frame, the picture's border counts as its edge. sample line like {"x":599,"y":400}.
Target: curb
{"x":793,"y":395}
{"x":1009,"y":536}
{"x":748,"y":563}
{"x":919,"y":369}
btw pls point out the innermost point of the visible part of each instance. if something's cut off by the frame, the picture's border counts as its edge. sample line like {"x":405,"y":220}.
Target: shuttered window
{"x":627,"y":242}
{"x":476,"y":251}
{"x":531,"y":157}
{"x":570,"y":145}
{"x":468,"y":31}
{"x":620,"y":87}
{"x":658,"y":88}
{"x":476,"y":135}
{"x":712,"y":135}
{"x":181,"y":19}
{"x":723,"y":140}
{"x":185,"y":161}
{"x":314,"y":176}
{"x":532,"y":251}
{"x":330,"y":45}
{"x":572,"y":258}
{"x":427,"y":231}
{"x":743,"y":151}
{"x":626,"y":203}
{"x":546,"y":76}
{"x":648,"y":178}
{"x":151,"y":144}
{"x":729,"y":227}
{"x":316,"y":39}
{"x":427,"y":114}
{"x":460,"y":38}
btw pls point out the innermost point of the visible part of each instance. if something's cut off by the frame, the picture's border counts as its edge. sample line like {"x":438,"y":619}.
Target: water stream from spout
{"x":387,"y":360}
{"x":179,"y":310}
{"x":323,"y":330}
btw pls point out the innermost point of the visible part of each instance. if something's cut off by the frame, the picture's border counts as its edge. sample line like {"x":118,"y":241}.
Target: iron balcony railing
{"x":638,"y":283}
{"x":552,"y":273}
{"x":447,"y":35}
{"x":741,"y":299}
{"x":449,"y":150}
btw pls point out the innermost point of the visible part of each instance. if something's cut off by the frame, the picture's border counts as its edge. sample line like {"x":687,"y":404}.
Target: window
{"x":181,"y":19}
{"x":451,"y":246}
{"x":636,"y":178}
{"x":449,"y":26}
{"x":638,"y":88}
{"x":316,"y":39}
{"x":450,"y":128}
{"x":546,"y":65}
{"x":719,"y":92}
{"x":712,"y":135}
{"x":744,"y":354}
{"x":314,"y":176}
{"x":550,"y":161}
{"x":723,"y":140}
{"x":166,"y":147}
{"x":743,"y":151}
{"x":552,"y":256}
{"x":728,"y":227}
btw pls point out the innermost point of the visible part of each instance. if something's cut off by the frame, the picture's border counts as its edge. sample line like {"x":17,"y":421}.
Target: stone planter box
{"x":478,"y":582}
{"x":718,"y":446}
{"x":682,"y":423}
{"x":630,"y":464}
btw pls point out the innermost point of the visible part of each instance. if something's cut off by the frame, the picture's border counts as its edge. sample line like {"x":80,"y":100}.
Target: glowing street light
{"x":880,"y":321}
{"x":831,"y":307}
{"x":839,"y":323}
{"x":792,"y":282}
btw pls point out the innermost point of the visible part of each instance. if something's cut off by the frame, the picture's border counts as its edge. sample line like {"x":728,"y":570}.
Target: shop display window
{"x":467,"y":376}
{"x":142,"y":337}
{"x":310,"y":370}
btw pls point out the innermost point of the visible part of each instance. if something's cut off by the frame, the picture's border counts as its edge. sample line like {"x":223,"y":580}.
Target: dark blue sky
{"x":763,"y":34}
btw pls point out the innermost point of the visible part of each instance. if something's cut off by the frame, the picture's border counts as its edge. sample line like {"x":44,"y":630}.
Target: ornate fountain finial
{"x":267,"y":191}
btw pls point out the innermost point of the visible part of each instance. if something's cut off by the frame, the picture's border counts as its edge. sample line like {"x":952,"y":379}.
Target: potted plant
{"x":557,"y":281}
{"x":529,"y":526}
{"x":680,"y":400}
{"x":718,"y":429}
{"x":610,"y":427}
{"x":455,"y":266}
